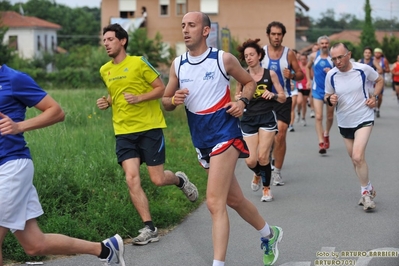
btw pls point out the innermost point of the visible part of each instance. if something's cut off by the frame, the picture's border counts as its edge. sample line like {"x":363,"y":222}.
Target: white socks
{"x":265,"y":231}
{"x":369,"y":187}
{"x":218,"y":263}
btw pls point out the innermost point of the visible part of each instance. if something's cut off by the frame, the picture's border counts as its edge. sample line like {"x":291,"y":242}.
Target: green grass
{"x":82,"y":188}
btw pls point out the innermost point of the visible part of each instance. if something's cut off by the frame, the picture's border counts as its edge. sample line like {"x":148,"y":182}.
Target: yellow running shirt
{"x":133,"y":75}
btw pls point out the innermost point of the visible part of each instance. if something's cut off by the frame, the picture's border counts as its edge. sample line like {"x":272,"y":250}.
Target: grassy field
{"x":82,"y":188}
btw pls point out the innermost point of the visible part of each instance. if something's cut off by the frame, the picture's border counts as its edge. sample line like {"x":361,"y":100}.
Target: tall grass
{"x":82,"y":188}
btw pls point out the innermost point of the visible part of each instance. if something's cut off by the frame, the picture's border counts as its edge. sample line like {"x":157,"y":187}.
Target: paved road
{"x":317,"y":208}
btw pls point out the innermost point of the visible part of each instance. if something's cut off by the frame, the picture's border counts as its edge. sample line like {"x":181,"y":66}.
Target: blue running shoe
{"x":269,"y":246}
{"x":115,"y":245}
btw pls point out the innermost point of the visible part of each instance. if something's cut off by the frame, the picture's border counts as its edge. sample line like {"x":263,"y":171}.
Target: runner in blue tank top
{"x":368,"y":57}
{"x":283,"y":61}
{"x":320,"y":62}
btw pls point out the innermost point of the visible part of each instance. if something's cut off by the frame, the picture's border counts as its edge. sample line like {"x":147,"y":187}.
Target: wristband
{"x":245,"y":101}
{"x":275,"y":97}
{"x":173,"y":101}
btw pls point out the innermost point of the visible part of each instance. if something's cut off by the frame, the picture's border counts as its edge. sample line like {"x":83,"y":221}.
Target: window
{"x":13,"y":42}
{"x":45,"y":43}
{"x":164,"y":7}
{"x":127,"y":8}
{"x":52,"y":44}
{"x":209,"y":6}
{"x":181,"y":7}
{"x":39,"y":44}
{"x":126,"y":14}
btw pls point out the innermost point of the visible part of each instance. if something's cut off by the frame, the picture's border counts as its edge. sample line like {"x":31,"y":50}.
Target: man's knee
{"x":158,"y":181}
{"x":132,"y":180}
{"x":157,"y":175}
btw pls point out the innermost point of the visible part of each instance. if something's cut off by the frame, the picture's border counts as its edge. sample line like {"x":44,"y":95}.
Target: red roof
{"x":353,"y":36}
{"x":12,"y":19}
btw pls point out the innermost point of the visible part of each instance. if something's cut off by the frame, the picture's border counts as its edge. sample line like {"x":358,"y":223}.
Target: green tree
{"x":349,"y":21}
{"x":5,"y":5}
{"x":390,"y":47}
{"x":385,"y":24}
{"x":326,"y":25}
{"x":367,"y":37}
{"x":5,"y":52}
{"x":80,"y":26}
{"x":156,"y":52}
{"x":234,"y":43}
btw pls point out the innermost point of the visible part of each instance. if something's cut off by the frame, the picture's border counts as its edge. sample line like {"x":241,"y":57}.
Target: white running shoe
{"x":277,"y":180}
{"x":367,"y":200}
{"x":146,"y":236}
{"x":267,"y":195}
{"x":188,"y":188}
{"x":255,"y":183}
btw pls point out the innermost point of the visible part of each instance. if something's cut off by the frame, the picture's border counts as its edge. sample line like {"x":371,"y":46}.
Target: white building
{"x":30,"y":36}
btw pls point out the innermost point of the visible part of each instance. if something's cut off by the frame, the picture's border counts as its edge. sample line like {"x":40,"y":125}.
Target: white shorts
{"x":19,"y":201}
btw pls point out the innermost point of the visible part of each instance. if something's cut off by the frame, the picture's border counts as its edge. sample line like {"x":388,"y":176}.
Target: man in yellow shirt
{"x":134,"y":87}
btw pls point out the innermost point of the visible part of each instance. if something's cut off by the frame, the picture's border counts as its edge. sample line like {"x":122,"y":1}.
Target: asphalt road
{"x":317,"y":209}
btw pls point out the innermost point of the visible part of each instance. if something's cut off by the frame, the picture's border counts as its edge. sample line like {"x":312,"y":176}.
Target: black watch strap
{"x":244,"y":100}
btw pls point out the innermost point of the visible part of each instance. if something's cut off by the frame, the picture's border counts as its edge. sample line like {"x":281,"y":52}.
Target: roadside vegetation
{"x":82,"y":188}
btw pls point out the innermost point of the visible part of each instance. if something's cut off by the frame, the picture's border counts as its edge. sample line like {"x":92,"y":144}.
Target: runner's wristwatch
{"x":245,"y":100}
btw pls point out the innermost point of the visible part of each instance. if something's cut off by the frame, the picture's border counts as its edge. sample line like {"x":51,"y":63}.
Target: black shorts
{"x":251,"y":124}
{"x":396,"y":83}
{"x":283,"y":110}
{"x":304,"y":92}
{"x":149,"y":146}
{"x":349,"y":133}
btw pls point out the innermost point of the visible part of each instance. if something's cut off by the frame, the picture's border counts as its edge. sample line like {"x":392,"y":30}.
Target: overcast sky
{"x":386,"y":9}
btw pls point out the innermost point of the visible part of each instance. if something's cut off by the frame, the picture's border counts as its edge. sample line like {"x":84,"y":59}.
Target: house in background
{"x":353,"y":36}
{"x":31,"y":37}
{"x":244,"y":19}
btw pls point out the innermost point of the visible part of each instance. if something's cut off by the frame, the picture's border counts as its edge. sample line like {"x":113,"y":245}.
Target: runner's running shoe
{"x":267,"y":195}
{"x":269,"y":246}
{"x":115,"y":257}
{"x":146,"y":236}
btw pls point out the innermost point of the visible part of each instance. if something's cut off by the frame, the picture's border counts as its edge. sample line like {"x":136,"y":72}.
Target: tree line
{"x":328,"y":25}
